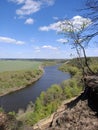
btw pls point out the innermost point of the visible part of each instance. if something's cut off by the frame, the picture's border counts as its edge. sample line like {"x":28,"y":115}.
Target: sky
{"x":29,"y":28}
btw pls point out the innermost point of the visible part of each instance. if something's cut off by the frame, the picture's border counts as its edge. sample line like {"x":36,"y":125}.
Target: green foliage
{"x":49,"y":63}
{"x":12,"y":113}
{"x":1,"y":109}
{"x":68,"y":68}
{"x":92,"y":62}
{"x":94,"y":67}
{"x":46,"y":104}
{"x":48,"y":101}
{"x":17,"y":79}
{"x":16,"y":74}
{"x":71,"y":88}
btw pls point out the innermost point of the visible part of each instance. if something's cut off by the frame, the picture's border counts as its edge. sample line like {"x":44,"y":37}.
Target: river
{"x":20,"y":99}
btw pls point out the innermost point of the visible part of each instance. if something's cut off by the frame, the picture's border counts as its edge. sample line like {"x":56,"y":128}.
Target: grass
{"x":16,"y":65}
{"x":17,"y":74}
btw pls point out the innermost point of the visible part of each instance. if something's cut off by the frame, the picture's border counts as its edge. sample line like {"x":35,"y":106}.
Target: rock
{"x":3,"y":119}
{"x":78,"y":117}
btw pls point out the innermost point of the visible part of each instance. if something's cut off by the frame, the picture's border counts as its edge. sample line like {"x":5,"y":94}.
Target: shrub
{"x":48,"y":101}
{"x":71,"y":69}
{"x":94,"y":67}
{"x":17,"y":79}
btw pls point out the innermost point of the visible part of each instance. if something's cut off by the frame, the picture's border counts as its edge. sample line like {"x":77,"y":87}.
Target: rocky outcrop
{"x":82,"y":113}
{"x":3,"y":119}
{"x":45,"y":123}
{"x":8,"y":122}
{"x":78,"y":114}
{"x":78,"y":117}
{"x":74,"y":115}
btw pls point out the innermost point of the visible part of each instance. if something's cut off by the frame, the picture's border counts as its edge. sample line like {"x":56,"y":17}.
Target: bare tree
{"x":81,"y":33}
{"x":91,"y":8}
{"x":75,"y":32}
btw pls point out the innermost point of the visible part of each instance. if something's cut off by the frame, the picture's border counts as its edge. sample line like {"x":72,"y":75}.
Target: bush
{"x":71,"y":69}
{"x":1,"y":109}
{"x":71,"y":88}
{"x":94,"y":67}
{"x":48,"y":101}
{"x":17,"y":79}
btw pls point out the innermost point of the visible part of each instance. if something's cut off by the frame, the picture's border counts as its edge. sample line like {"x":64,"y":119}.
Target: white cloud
{"x":31,"y":6}
{"x":44,"y":28}
{"x":29,"y":21}
{"x":38,"y":49}
{"x":62,"y":40}
{"x":49,"y":47}
{"x":54,"y":26}
{"x":11,"y":40}
{"x":76,"y":21}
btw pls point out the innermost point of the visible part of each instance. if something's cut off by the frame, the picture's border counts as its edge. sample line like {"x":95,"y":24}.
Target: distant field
{"x":15,"y":65}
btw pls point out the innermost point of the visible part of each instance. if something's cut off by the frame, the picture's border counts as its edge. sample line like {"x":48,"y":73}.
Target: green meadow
{"x":16,"y":65}
{"x":15,"y":74}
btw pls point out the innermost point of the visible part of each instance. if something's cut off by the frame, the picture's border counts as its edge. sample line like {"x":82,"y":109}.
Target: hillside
{"x":79,"y":114}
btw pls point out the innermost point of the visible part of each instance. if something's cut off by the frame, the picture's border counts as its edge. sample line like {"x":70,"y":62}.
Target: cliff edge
{"x":78,"y":114}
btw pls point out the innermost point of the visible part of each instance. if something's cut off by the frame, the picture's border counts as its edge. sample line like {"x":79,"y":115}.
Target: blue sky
{"x":28,"y":28}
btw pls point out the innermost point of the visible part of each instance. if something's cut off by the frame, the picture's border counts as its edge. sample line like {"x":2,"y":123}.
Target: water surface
{"x":21,"y":98}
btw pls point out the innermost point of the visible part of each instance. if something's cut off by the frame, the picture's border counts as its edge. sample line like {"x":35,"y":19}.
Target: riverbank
{"x":49,"y":101}
{"x":21,"y":99}
{"x":81,"y":113}
{"x":30,"y":77}
{"x":18,"y":74}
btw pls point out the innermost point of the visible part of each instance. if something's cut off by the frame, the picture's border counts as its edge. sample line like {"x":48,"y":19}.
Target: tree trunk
{"x":85,"y":59}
